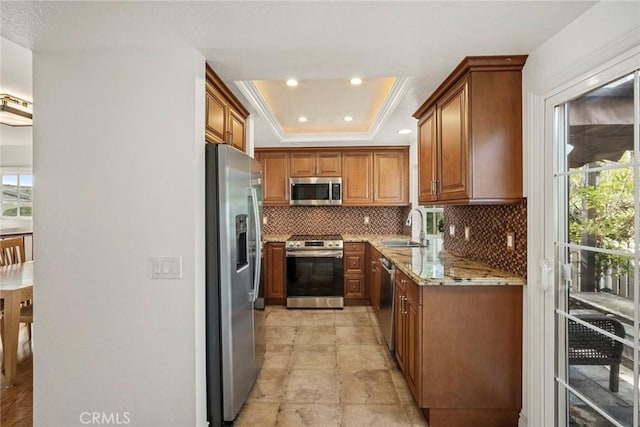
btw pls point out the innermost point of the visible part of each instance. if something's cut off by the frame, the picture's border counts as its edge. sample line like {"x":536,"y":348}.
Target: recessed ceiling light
{"x":404,"y":131}
{"x":292,"y":82}
{"x":356,"y":81}
{"x":348,"y":118}
{"x":302,"y":119}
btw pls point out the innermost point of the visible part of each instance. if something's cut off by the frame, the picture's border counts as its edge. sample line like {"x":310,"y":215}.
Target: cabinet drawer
{"x":354,"y":264}
{"x":354,"y":287}
{"x":354,"y":247}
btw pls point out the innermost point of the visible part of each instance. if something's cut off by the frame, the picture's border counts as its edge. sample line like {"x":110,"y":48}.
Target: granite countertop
{"x":275,"y":238}
{"x":430,"y":265}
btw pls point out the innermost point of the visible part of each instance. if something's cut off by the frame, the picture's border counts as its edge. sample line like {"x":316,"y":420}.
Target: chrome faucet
{"x":422,"y":237}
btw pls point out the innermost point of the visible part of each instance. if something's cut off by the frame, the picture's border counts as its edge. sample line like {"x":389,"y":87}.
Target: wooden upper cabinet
{"x":225,"y":116}
{"x":427,"y":154}
{"x":216,"y":115}
{"x":238,"y":135}
{"x":275,"y":183}
{"x":371,"y":176}
{"x":452,"y":133}
{"x":329,"y":164}
{"x":316,"y":164}
{"x":470,"y":134}
{"x":391,"y":177}
{"x":357,"y":178}
{"x":303,"y":164}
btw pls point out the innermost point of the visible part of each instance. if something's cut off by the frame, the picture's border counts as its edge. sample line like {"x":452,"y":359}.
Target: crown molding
{"x":393,"y":98}
{"x":390,"y":103}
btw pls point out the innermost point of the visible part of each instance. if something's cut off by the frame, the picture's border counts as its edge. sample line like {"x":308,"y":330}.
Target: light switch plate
{"x":366,"y":220}
{"x":511,"y":241}
{"x":467,"y":233}
{"x":166,"y":267}
{"x":452,"y":230}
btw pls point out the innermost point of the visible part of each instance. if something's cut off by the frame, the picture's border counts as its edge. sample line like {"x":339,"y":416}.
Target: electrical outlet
{"x":511,"y":241}
{"x":264,"y":220}
{"x":452,"y":230}
{"x":467,"y":233}
{"x":366,"y":220}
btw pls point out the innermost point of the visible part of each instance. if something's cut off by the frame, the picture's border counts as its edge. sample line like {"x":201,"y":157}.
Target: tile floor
{"x":328,"y":368}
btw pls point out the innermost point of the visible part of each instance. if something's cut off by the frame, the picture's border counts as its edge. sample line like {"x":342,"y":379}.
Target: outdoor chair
{"x":590,"y":347}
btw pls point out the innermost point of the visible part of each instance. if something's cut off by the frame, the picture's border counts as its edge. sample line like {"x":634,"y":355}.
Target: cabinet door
{"x":275,"y":270}
{"x":375,"y":271}
{"x":329,"y":164}
{"x":303,"y":164}
{"x":215,"y":115}
{"x":354,"y":264}
{"x":400,"y":323}
{"x":453,"y":139}
{"x":237,"y":136}
{"x":356,"y":178}
{"x":275,"y":168}
{"x":354,"y":287}
{"x":427,"y":154}
{"x":390,"y":179}
{"x":412,"y":339}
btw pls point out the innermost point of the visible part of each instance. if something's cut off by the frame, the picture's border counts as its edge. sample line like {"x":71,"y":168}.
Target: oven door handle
{"x":315,"y":254}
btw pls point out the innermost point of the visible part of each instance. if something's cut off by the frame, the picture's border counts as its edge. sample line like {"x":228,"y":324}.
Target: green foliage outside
{"x":604,"y":214}
{"x":24,"y":211}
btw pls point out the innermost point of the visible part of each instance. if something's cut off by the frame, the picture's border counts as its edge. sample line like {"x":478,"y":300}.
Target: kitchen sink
{"x":397,"y":243}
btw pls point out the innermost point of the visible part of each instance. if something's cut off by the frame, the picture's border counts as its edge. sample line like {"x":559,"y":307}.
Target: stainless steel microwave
{"x":315,"y":191}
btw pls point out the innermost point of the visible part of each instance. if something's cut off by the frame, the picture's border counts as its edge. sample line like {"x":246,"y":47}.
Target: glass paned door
{"x":596,"y":256}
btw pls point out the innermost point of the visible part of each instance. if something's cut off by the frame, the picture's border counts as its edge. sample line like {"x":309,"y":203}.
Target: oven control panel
{"x":315,"y":244}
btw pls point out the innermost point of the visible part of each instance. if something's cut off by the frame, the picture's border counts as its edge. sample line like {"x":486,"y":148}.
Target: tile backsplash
{"x":334,"y":219}
{"x":489,"y":226}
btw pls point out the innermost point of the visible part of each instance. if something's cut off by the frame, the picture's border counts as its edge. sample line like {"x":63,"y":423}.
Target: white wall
{"x":600,"y":34}
{"x":15,"y":79}
{"x":16,"y":149}
{"x":119,"y":162}
{"x":15,"y":70}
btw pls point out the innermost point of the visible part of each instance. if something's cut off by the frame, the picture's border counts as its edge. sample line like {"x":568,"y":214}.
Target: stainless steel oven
{"x":315,"y":272}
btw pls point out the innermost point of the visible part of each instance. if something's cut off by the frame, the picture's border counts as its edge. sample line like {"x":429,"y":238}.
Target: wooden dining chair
{"x":12,"y":251}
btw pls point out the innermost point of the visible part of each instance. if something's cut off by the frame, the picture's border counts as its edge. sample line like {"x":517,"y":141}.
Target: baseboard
{"x":522,"y":421}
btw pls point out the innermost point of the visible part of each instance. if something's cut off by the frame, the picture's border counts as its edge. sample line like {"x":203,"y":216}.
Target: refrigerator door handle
{"x":256,"y":276}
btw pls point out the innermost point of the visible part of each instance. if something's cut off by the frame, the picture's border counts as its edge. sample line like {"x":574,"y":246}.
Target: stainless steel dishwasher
{"x":387,"y":298}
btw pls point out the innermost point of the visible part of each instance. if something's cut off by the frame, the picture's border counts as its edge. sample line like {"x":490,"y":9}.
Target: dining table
{"x":16,"y":285}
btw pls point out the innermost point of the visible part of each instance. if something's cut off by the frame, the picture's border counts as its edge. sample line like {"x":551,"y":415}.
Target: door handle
{"x":546,"y":268}
{"x":258,"y":231}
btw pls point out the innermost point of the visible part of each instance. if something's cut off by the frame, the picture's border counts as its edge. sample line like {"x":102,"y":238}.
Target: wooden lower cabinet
{"x":375,"y":275}
{"x":275,"y":273}
{"x":354,"y":273}
{"x":408,"y":330}
{"x":460,"y":349}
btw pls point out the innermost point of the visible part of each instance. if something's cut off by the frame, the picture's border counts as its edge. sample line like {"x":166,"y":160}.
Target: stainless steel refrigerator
{"x":234,"y":295}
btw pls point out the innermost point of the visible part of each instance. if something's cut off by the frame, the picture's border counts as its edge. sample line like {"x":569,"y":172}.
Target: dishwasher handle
{"x":391,"y":269}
